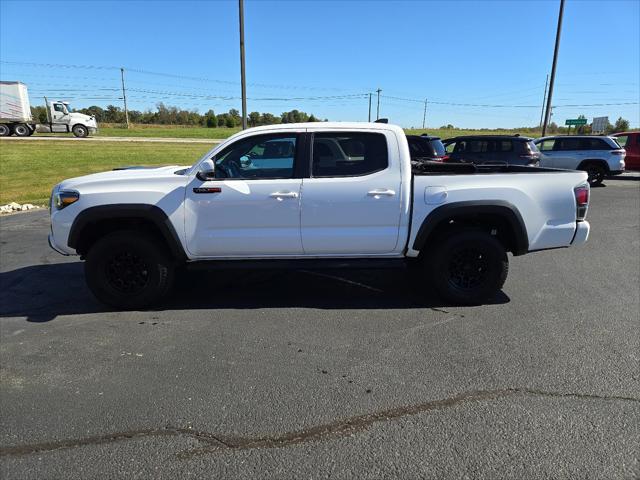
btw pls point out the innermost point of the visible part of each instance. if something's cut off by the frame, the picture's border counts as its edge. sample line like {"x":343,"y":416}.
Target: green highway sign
{"x":576,"y":121}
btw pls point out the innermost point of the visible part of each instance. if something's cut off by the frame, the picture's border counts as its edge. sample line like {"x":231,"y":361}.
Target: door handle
{"x":381,"y":191}
{"x":281,"y":195}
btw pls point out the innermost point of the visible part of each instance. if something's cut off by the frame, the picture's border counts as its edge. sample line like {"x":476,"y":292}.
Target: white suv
{"x":598,"y":156}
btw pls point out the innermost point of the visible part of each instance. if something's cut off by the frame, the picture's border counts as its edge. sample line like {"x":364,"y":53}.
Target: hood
{"x":121,"y":174}
{"x":88,"y":120}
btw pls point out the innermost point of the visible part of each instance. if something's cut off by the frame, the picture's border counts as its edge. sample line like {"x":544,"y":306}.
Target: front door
{"x":351,"y":205}
{"x":59,"y":117}
{"x":252,"y":208}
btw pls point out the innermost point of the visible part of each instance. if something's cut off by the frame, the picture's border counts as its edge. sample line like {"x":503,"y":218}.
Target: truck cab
{"x":62,"y":120}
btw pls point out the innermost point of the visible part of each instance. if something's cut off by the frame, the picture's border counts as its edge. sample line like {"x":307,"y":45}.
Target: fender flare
{"x":503,"y":209}
{"x":151,"y":213}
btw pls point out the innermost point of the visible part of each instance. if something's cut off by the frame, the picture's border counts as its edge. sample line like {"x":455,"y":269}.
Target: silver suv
{"x":598,"y":156}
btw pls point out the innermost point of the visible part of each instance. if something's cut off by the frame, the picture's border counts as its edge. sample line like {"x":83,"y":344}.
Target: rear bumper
{"x":582,"y":233}
{"x":616,"y":172}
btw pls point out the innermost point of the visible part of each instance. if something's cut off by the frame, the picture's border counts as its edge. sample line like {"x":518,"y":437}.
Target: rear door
{"x":567,"y":153}
{"x":351,"y":204}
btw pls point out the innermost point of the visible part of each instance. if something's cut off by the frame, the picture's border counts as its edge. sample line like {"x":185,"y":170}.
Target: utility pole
{"x":124,"y":97}
{"x":424,"y":116}
{"x":544,"y":97}
{"x":553,"y":69}
{"x":369,"y":107}
{"x":378,"y":109}
{"x":242,"y":74}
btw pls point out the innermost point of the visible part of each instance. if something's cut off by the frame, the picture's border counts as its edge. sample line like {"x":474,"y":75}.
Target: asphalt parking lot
{"x":327,"y":374}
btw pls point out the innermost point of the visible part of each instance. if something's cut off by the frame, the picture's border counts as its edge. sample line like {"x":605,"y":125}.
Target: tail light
{"x":581,"y":193}
{"x":445,"y":158}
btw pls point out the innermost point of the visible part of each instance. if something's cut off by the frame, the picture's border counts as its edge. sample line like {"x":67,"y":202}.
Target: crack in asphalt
{"x":337,"y":428}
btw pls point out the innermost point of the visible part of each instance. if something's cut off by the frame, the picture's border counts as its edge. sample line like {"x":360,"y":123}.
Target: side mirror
{"x":245,"y":161}
{"x":207,"y":170}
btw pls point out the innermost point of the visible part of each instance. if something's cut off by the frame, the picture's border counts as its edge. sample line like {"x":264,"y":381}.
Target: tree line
{"x":621,"y":125}
{"x":169,"y":115}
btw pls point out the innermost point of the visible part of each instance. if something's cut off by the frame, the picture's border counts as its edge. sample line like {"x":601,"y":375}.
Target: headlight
{"x":65,"y":198}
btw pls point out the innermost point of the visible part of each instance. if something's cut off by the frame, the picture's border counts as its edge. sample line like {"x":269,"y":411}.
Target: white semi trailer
{"x":16,"y":118}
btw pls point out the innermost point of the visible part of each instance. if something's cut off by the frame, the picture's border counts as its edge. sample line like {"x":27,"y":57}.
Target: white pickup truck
{"x":319,"y":195}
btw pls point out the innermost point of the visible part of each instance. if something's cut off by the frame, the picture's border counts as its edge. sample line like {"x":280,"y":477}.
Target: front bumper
{"x":53,"y":246}
{"x":582,"y":233}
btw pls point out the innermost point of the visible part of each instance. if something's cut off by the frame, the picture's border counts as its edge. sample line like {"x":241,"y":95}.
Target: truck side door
{"x":252,"y":207}
{"x":351,"y":204}
{"x":59,"y":117}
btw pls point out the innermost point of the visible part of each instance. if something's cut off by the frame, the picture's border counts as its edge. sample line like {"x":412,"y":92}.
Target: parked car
{"x":359,"y":205}
{"x":492,"y":149}
{"x":426,"y":148}
{"x":630,"y":141}
{"x":599,"y":156}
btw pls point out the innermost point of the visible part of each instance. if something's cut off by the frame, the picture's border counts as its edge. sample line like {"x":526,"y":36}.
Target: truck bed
{"x":436,"y":168}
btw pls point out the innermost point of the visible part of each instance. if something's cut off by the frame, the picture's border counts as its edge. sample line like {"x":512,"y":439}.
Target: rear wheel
{"x":467,"y":267}
{"x":596,"y":173}
{"x":21,"y":130}
{"x":80,"y":131}
{"x":5,"y":131}
{"x":128,"y":269}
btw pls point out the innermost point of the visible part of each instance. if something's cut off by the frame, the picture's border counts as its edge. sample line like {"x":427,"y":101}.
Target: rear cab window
{"x":348,"y":154}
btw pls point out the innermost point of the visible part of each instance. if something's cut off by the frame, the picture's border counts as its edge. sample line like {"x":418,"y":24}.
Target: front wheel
{"x":467,"y":267}
{"x":80,"y":131}
{"x":128,"y":270}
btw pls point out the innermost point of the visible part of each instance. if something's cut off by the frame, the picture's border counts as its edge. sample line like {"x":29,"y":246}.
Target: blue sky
{"x":301,"y":53}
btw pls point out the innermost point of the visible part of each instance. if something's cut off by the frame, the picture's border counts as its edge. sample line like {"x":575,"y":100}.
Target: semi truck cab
{"x":16,"y":118}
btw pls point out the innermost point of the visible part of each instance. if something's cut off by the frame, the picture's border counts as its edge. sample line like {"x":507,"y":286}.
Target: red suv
{"x":631,"y":143}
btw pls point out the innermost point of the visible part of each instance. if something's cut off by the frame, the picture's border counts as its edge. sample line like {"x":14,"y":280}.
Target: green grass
{"x":29,"y":169}
{"x":185,"y":131}
{"x":165,"y":131}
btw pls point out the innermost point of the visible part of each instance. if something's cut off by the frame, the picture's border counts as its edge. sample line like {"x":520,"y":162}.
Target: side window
{"x":450,"y":147}
{"x":348,"y":154}
{"x":58,"y":107}
{"x":546,"y":145}
{"x":568,"y":144}
{"x":505,"y":146}
{"x":622,"y":140}
{"x":478,"y":146}
{"x":262,"y":156}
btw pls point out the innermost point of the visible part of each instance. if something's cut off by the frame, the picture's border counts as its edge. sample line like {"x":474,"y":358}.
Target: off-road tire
{"x":467,"y":267}
{"x":129,"y":269}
